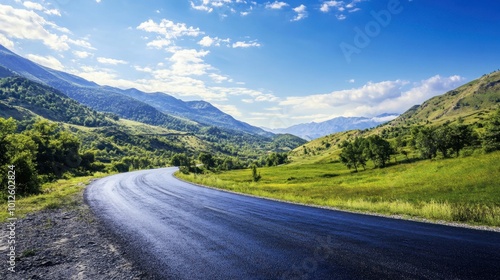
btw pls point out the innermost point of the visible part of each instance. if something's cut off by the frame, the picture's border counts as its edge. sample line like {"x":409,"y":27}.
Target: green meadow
{"x":463,"y":189}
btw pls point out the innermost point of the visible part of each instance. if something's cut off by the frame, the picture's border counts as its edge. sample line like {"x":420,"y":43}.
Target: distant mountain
{"x":199,"y":111}
{"x":310,"y":131}
{"x":155,"y":108}
{"x":467,"y":102}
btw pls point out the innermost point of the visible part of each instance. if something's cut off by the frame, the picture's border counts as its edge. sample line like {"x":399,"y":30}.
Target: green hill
{"x":18,"y":92}
{"x":469,"y":102}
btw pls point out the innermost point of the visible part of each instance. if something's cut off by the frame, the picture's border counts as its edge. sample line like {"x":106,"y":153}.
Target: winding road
{"x":178,"y":230}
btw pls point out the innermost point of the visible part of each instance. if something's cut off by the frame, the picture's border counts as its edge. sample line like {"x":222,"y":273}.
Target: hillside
{"x":18,"y":92}
{"x":471,"y":104}
{"x":468,"y":102}
{"x":199,"y":111}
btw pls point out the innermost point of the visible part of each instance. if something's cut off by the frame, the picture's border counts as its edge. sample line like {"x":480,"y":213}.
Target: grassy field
{"x":62,"y":193}
{"x":465,"y":189}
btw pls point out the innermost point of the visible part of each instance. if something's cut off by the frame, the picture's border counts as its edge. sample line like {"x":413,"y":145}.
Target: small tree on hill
{"x":352,"y":154}
{"x":255,"y":176}
{"x":491,"y":138}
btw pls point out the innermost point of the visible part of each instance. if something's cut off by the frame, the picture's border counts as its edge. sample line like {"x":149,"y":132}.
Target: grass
{"x":59,"y":194}
{"x":465,"y":189}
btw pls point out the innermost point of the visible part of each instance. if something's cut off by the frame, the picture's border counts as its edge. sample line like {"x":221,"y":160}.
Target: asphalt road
{"x":178,"y":230}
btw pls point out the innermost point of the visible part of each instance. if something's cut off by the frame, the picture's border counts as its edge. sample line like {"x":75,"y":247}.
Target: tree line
{"x":428,"y":142}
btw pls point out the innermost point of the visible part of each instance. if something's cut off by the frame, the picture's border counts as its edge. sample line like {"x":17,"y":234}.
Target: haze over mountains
{"x":313,"y":130}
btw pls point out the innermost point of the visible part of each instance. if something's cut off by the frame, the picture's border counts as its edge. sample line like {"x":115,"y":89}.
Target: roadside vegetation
{"x":54,"y":195}
{"x":448,"y":172}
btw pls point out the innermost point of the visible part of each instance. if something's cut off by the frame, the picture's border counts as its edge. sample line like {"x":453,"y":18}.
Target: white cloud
{"x":208,"y":41}
{"x":325,"y":7}
{"x":301,"y":12}
{"x":4,"y":41}
{"x":169,"y":29}
{"x":110,"y":61}
{"x":371,"y":99}
{"x":340,"y":7}
{"x":243,"y":44}
{"x":28,"y":25}
{"x":218,"y":78}
{"x":82,"y":54}
{"x":276,"y":5}
{"x":33,"y":5}
{"x":47,"y":61}
{"x":229,"y":109}
{"x":38,"y":7}
{"x":187,"y":62}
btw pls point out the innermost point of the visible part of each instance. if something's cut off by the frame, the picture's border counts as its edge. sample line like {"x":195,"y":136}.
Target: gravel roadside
{"x":65,"y":244}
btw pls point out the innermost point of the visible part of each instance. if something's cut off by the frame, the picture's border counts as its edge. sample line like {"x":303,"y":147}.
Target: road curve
{"x":178,"y":230}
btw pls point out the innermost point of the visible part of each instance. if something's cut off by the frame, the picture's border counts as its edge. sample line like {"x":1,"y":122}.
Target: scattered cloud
{"x":243,"y":44}
{"x":301,"y":12}
{"x":229,"y":109}
{"x":28,"y":25}
{"x":47,"y":61}
{"x":82,"y":54}
{"x":110,"y":61}
{"x":276,"y":5}
{"x":340,"y":8}
{"x":208,"y":41}
{"x":167,"y":31}
{"x":38,"y":7}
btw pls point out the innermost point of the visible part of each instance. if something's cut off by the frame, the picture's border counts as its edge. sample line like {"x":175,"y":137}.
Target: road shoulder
{"x":67,"y":243}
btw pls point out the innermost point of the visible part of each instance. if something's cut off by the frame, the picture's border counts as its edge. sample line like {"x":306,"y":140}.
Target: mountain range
{"x":313,"y":130}
{"x":151,"y":108}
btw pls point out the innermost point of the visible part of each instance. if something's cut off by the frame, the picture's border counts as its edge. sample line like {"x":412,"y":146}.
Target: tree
{"x":207,"y":160}
{"x":57,"y":149}
{"x":352,"y":155}
{"x":425,"y":142}
{"x":491,"y":137}
{"x":180,"y":160}
{"x":255,"y":176}
{"x":461,"y":136}
{"x":18,"y":151}
{"x":378,"y":150}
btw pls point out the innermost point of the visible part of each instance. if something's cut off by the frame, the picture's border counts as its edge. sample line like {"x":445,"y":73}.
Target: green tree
{"x":378,"y":150}
{"x":19,"y":151}
{"x":255,"y":176}
{"x":207,"y":159}
{"x":491,"y":137}
{"x":352,"y":155}
{"x":425,"y":142}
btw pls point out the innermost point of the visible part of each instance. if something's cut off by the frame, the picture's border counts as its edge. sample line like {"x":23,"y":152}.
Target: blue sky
{"x":269,"y":63}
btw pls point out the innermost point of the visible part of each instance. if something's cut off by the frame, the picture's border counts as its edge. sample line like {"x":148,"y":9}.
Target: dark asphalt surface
{"x":178,"y":230}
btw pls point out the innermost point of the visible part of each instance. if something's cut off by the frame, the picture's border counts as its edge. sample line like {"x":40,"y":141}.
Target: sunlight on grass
{"x":62,"y":193}
{"x":461,"y":189}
